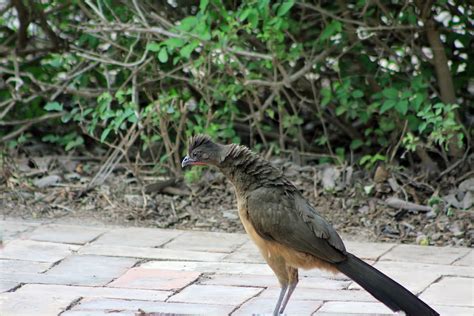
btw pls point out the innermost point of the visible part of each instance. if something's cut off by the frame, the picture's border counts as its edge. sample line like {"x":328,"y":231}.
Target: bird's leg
{"x":293,"y":274}
{"x":280,"y":299}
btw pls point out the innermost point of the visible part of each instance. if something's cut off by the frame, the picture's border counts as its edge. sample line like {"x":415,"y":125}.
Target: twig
{"x":454,"y":165}
{"x":400,"y":204}
{"x":321,"y":118}
{"x":322,"y":11}
{"x":117,"y":155}
{"x":250,"y":54}
{"x":27,"y":125}
{"x":295,"y":76}
{"x":395,"y":149}
{"x":87,"y":55}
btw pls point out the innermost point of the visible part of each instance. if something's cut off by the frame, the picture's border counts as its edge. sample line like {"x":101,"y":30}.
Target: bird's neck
{"x":248,"y":171}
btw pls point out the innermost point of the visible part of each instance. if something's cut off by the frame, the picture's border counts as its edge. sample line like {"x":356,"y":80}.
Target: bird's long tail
{"x":386,"y":290}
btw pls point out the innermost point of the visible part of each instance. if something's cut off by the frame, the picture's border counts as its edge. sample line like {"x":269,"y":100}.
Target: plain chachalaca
{"x":288,"y":231}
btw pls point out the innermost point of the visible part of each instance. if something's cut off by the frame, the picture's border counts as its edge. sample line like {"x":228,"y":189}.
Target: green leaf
{"x":53,"y":106}
{"x":331,"y":29}
{"x":117,"y":123}
{"x":387,"y":125}
{"x":163,"y":55}
{"x":402,"y":107}
{"x":203,"y":5}
{"x":390,"y":93}
{"x":340,"y":110}
{"x":411,"y":18}
{"x":284,"y":8}
{"x":153,"y":47}
{"x":326,"y":93}
{"x":357,"y":93}
{"x":173,"y":43}
{"x":75,"y":143}
{"x":104,"y":134}
{"x":413,"y":122}
{"x":406,"y":94}
{"x":50,"y":138}
{"x":243,"y":16}
{"x":387,"y":105}
{"x":187,"y":24}
{"x":364,"y":116}
{"x":202,"y":30}
{"x":270,"y":113}
{"x":104,"y":101}
{"x":356,"y":143}
{"x":186,"y":51}
{"x":253,"y":18}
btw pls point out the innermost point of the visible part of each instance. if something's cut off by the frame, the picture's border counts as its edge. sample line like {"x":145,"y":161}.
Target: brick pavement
{"x":54,"y":269}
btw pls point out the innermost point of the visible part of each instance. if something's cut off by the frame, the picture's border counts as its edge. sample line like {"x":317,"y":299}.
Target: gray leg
{"x":293,"y":273}
{"x":280,"y":298}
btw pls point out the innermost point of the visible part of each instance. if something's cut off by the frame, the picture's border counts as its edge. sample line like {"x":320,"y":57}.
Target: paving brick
{"x":272,"y":281}
{"x":21,"y":266}
{"x":91,"y":270}
{"x":345,"y":314}
{"x":137,"y":237}
{"x":7,"y":285}
{"x":214,"y":294}
{"x":39,"y":299}
{"x":318,"y":273}
{"x":150,"y":253}
{"x":467,"y":260}
{"x":454,"y":310}
{"x":248,"y":252}
{"x":414,"y":276}
{"x":323,"y":283}
{"x":155,"y":279}
{"x":15,"y":304}
{"x":207,"y":241}
{"x":239,"y":280}
{"x":36,"y":250}
{"x":322,"y":295}
{"x":150,"y":307}
{"x":70,"y":234}
{"x":425,"y":254}
{"x":211,"y":267}
{"x":39,"y":278}
{"x":450,"y":291}
{"x":10,"y":229}
{"x":259,"y":306}
{"x":417,"y":276}
{"x":421,"y":268}
{"x":235,"y":267}
{"x":368,"y":250}
{"x":106,"y":312}
{"x":354,"y":308}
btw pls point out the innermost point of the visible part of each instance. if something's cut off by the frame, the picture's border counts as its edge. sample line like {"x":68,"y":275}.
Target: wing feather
{"x":290,"y":220}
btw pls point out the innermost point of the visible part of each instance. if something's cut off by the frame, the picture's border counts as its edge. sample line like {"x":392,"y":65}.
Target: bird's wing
{"x":290,"y":220}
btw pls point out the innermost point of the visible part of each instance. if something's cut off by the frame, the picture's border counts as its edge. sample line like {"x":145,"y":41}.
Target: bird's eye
{"x":194,"y":155}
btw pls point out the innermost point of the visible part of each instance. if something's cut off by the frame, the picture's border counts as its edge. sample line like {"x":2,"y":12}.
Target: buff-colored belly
{"x":274,"y":251}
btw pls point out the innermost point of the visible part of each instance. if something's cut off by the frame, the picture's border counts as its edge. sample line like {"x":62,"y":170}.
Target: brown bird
{"x":288,"y":231}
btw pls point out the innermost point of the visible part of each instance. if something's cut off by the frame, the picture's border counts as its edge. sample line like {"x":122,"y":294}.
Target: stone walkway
{"x":52,"y":269}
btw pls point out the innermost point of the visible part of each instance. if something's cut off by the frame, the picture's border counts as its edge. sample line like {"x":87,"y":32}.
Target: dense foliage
{"x":362,"y":80}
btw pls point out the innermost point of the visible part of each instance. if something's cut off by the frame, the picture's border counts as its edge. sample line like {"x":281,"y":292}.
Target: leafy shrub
{"x":351,"y":76}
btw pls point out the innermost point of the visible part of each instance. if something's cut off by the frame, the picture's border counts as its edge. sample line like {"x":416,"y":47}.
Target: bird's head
{"x":203,"y":151}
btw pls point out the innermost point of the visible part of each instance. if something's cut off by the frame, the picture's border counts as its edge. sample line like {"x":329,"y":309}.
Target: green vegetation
{"x":381,"y":80}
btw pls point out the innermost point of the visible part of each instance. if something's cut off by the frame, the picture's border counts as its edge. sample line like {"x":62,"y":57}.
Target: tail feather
{"x":383,"y":288}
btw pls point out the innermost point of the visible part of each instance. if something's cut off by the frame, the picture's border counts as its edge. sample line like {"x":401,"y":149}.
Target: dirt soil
{"x":360,"y":205}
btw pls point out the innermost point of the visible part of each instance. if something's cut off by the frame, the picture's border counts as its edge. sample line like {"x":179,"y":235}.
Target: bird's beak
{"x":187,"y":161}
